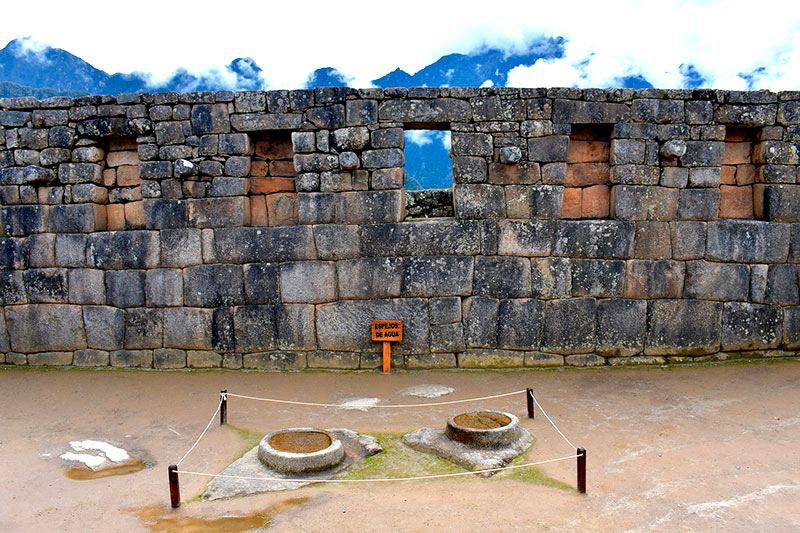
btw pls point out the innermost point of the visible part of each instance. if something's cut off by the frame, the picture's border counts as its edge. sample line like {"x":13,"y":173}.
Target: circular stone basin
{"x":483,"y":428}
{"x":296,"y":450}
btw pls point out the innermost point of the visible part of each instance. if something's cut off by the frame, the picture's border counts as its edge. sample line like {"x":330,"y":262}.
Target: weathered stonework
{"x":266,"y":230}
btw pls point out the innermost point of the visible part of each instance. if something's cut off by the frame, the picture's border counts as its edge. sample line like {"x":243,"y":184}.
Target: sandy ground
{"x":704,"y":448}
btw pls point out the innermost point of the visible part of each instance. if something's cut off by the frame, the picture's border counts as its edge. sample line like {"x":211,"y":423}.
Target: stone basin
{"x":483,"y":428}
{"x":296,"y":450}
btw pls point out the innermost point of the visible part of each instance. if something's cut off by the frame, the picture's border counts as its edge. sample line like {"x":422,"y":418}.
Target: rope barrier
{"x":219,"y":405}
{"x":378,"y":480}
{"x":551,"y":422}
{"x":398,"y":406}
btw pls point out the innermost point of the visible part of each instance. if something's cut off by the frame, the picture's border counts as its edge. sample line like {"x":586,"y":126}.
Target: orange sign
{"x":387,"y":330}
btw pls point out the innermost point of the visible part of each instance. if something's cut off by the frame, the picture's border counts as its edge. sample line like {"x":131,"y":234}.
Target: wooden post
{"x":174,"y":488}
{"x":581,"y":470}
{"x":223,"y":409}
{"x":387,"y":356}
{"x":529,"y":395}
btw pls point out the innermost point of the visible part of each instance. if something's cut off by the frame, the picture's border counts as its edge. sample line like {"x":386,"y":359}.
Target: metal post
{"x":529,"y":395}
{"x":174,"y":488}
{"x":581,"y":470}
{"x":223,"y":410}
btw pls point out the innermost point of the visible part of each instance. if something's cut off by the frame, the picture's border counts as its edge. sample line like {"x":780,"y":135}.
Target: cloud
{"x":419,"y":137}
{"x":728,"y":42}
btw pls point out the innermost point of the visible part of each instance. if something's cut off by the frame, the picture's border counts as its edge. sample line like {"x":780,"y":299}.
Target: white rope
{"x":551,"y":421}
{"x":399,"y":406}
{"x":203,"y":433}
{"x":377,"y":480}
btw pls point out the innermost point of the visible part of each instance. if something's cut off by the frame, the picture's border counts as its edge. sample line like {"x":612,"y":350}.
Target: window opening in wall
{"x":428,"y":172}
{"x":736,"y":190}
{"x":123,"y":186}
{"x":273,"y":201}
{"x":587,"y":188}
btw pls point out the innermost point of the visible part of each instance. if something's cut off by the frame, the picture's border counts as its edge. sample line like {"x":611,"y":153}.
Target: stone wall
{"x":268,"y":229}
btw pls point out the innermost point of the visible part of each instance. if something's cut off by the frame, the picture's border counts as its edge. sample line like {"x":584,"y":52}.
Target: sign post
{"x":387,"y":331}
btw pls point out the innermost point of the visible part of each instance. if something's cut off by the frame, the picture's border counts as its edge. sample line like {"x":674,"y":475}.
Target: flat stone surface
{"x":427,"y":391}
{"x":434,"y":441}
{"x":357,"y":447}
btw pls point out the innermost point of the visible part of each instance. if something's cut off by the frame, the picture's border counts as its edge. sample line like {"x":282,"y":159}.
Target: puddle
{"x":83,"y":474}
{"x":158,"y":518}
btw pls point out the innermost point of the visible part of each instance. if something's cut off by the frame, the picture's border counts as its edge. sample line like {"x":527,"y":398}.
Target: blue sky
{"x":732,"y":44}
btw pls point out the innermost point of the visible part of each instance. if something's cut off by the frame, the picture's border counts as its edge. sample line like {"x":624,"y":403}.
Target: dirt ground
{"x":702,"y":448}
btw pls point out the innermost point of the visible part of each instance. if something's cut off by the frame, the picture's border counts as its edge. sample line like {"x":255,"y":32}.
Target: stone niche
{"x":587,"y":188}
{"x":273,"y":200}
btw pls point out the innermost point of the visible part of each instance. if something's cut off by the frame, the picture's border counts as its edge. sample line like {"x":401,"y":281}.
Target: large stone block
{"x":296,"y":327}
{"x":39,"y":250}
{"x":547,"y":149}
{"x":165,"y":213}
{"x":261,"y":283}
{"x":437,"y":276}
{"x":12,"y":288}
{"x":45,"y":327}
{"x":337,"y":241}
{"x":475,"y":144}
{"x":164,"y":287}
{"x":652,"y":240}
{"x":316,"y":208}
{"x":683,"y":327}
{"x":218,"y":212}
{"x":716,"y":281}
{"x":698,"y":204}
{"x":45,"y":285}
{"x":483,"y":358}
{"x":180,"y":247}
{"x":50,"y":359}
{"x":791,"y":328}
{"x":782,"y":285}
{"x":597,"y":277}
{"x":132,"y":358}
{"x":327,"y":117}
{"x":469,"y":169}
{"x":91,"y":357}
{"x":169,"y":358}
{"x":123,"y":249}
{"x":480,"y":321}
{"x":447,"y":338}
{"x":24,"y":219}
{"x":441,"y":110}
{"x":70,"y":250}
{"x":599,"y":239}
{"x":125,"y":288}
{"x":657,"y":111}
{"x":334,"y":360}
{"x":80,"y":173}
{"x":747,"y":326}
{"x":281,"y":361}
{"x":746,"y":115}
{"x":105,"y":327}
{"x":748,"y":241}
{"x":641,"y":202}
{"x":213,"y":285}
{"x":79,"y":218}
{"x":369,"y":207}
{"x":308,"y":282}
{"x":502,"y":277}
{"x":371,"y":277}
{"x":188,"y":328}
{"x":579,"y":112}
{"x":86,"y":286}
{"x":525,"y":238}
{"x":261,"y":121}
{"x":620,"y":327}
{"x":780,"y":203}
{"x":143,"y":328}
{"x":569,"y":326}
{"x":210,"y":118}
{"x":479,"y":201}
{"x":255,"y":328}
{"x":519,"y":324}
{"x":551,"y":278}
{"x":433,"y":237}
{"x":264,"y":245}
{"x":223,"y":331}
{"x":494,"y":108}
{"x":345,"y":325}
{"x":654,"y":279}
{"x":444,"y":310}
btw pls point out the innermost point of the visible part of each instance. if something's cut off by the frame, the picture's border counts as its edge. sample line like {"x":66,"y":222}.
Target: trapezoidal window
{"x":736,"y":189}
{"x":273,"y":200}
{"x":587,"y":188}
{"x":428,"y":171}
